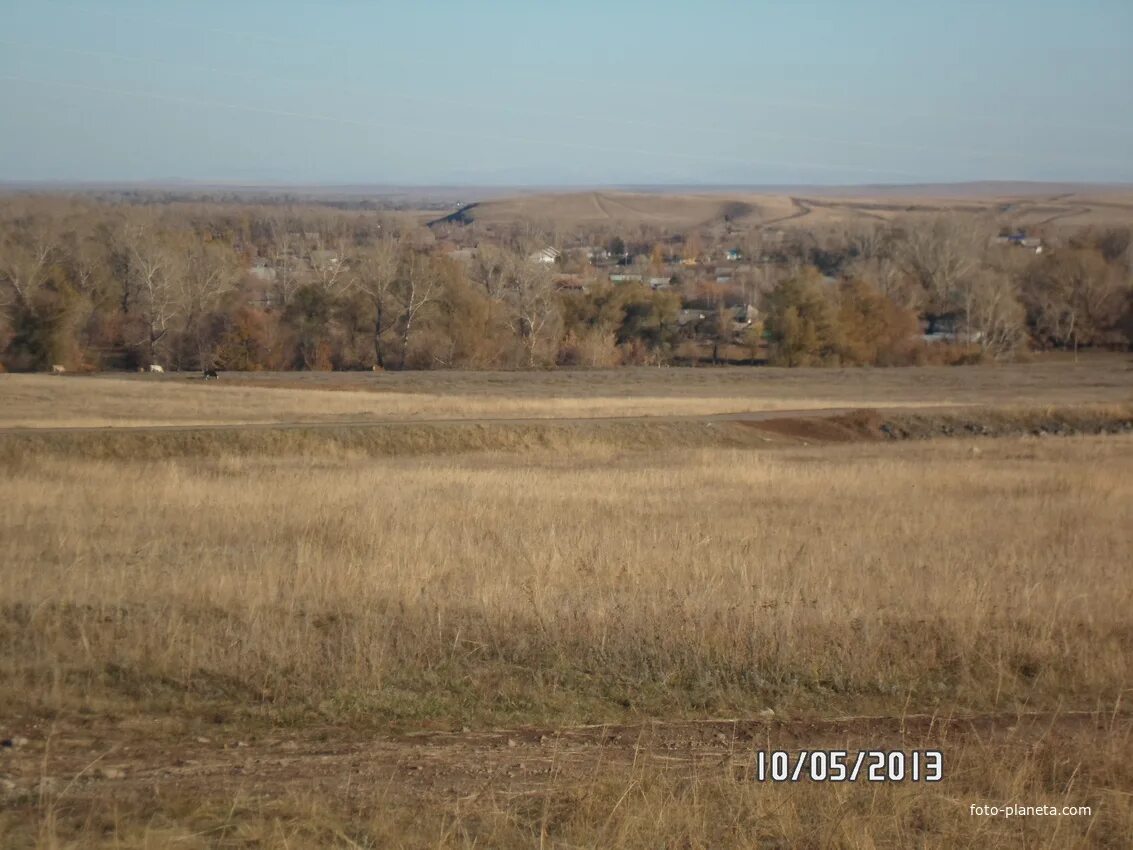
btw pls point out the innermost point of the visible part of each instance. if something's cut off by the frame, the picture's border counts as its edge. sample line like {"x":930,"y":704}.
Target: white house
{"x":548,"y":256}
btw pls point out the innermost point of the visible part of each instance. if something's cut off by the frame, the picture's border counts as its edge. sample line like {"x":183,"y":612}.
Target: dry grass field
{"x":1077,"y":207}
{"x":53,"y":401}
{"x":582,"y":644}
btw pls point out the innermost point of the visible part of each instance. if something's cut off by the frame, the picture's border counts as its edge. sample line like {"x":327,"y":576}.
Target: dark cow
{"x":211,"y":373}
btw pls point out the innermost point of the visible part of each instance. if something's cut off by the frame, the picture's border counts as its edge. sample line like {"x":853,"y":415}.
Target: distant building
{"x":262,"y":270}
{"x":691,"y":317}
{"x":1021,"y":240}
{"x":733,"y":256}
{"x":547,"y":256}
{"x":946,"y":329}
{"x":746,"y":314}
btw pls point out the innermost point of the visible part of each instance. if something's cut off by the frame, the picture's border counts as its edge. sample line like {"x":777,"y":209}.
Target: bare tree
{"x":940,"y":253}
{"x":285,"y":258}
{"x":533,"y":304}
{"x":207,"y":272}
{"x":34,"y":292}
{"x":993,"y":316}
{"x":1073,"y":297}
{"x":154,"y":280}
{"x":374,"y":271}
{"x":329,"y":263}
{"x":490,"y":269}
{"x":867,"y":240}
{"x":29,"y":248}
{"x":890,"y":279}
{"x":416,"y":288}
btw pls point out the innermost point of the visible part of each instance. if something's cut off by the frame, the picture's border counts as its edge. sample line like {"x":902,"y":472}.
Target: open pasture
{"x":578,"y":641}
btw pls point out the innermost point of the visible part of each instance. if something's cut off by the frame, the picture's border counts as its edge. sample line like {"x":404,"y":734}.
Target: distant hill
{"x":1024,"y":204}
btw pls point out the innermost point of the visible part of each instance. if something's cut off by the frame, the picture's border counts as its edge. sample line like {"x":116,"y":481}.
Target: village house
{"x":1021,"y":240}
{"x":548,"y":256}
{"x":261,"y":269}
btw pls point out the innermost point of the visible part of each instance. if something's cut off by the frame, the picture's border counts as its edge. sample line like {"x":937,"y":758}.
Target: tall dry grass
{"x":580,"y":583}
{"x":574,"y":586}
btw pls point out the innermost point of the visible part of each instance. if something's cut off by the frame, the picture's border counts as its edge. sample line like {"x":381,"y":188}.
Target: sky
{"x":501,"y":92}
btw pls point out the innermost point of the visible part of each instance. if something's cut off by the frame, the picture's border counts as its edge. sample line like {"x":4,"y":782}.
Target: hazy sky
{"x":582,"y":92}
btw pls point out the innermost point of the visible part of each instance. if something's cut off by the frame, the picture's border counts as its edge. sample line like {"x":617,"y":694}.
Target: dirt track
{"x":89,"y":758}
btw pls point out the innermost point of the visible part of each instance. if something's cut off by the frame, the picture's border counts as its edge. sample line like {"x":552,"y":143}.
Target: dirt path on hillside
{"x":801,"y":210}
{"x":91,"y":757}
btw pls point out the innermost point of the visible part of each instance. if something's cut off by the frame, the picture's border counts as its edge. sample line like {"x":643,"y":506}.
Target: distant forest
{"x":123,"y":282}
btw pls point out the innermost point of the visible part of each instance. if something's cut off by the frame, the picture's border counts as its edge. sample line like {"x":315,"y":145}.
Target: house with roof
{"x":548,"y":256}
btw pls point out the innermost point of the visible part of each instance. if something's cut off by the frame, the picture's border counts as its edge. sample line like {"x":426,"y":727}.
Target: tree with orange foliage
{"x":872,"y":329}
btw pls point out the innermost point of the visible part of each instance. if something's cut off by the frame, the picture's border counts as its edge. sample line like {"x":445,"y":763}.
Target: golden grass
{"x":577,"y":583}
{"x":557,"y":586}
{"x":566,"y":211}
{"x":40,"y":401}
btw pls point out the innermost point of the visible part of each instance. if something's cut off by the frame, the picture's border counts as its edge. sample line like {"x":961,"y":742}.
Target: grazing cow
{"x":153,"y":367}
{"x":58,"y":370}
{"x":211,"y":373}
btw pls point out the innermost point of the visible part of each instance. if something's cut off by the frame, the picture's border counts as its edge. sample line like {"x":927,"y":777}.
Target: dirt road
{"x":89,"y":757}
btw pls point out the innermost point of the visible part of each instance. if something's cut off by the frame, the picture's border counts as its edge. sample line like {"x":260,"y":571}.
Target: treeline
{"x":121,"y":286}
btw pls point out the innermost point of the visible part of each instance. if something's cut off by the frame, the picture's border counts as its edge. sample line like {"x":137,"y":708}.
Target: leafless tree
{"x":1073,"y":297}
{"x":533,"y":304}
{"x":890,"y":278}
{"x":374,"y":271}
{"x":490,"y":269}
{"x":416,"y":286}
{"x":993,"y":316}
{"x":27,"y":251}
{"x":207,"y":272}
{"x":940,"y":253}
{"x":329,"y":263}
{"x":154,"y":279}
{"x":285,"y":258}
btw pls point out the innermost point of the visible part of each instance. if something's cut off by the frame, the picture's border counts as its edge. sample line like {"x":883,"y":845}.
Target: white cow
{"x":153,"y":367}
{"x":58,"y":370}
